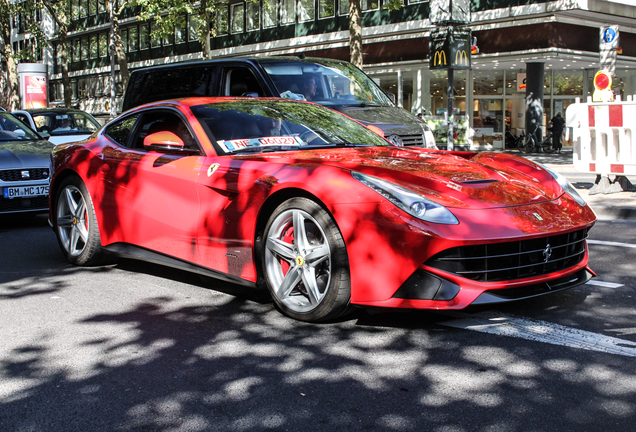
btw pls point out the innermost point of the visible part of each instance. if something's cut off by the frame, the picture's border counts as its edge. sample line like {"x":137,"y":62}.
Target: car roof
{"x":52,"y":110}
{"x":242,"y":59}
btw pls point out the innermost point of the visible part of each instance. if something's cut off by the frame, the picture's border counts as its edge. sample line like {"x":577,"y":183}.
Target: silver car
{"x":25,"y":159}
{"x":63,"y":125}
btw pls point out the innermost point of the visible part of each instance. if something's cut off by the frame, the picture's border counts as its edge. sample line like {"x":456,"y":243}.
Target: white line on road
{"x":606,"y":243}
{"x":543,"y":331}
{"x":604,"y":284}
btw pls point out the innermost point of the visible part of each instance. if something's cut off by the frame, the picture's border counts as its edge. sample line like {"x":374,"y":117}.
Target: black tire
{"x":527,"y":145}
{"x":75,"y":224}
{"x":307,"y":274}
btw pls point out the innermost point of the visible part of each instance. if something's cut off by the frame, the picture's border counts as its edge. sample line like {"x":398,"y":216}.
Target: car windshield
{"x":65,"y":123}
{"x":256,"y":125}
{"x":330,"y":83}
{"x":12,"y":129}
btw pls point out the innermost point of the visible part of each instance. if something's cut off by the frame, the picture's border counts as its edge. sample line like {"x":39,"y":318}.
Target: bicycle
{"x":530,"y":142}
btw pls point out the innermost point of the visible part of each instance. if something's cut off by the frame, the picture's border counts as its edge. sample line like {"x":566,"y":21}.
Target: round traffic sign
{"x":602,"y":80}
{"x":609,"y":35}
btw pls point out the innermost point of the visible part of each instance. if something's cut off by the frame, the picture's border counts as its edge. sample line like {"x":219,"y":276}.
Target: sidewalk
{"x":621,"y":205}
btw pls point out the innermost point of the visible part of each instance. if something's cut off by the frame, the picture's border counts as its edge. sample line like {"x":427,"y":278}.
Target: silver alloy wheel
{"x":72,"y":220}
{"x":298,"y":260}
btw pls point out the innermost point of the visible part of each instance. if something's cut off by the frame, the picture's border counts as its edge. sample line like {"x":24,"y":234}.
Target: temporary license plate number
{"x":25,"y":191}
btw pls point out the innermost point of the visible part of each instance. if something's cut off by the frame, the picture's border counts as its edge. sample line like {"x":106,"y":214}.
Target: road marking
{"x":542,"y":331}
{"x":606,"y":243}
{"x":604,"y":284}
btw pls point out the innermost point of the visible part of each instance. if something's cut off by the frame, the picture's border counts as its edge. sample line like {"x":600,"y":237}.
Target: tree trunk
{"x":355,"y":33}
{"x":13,"y":79}
{"x":66,"y":81}
{"x":121,"y":59}
{"x":206,"y":30}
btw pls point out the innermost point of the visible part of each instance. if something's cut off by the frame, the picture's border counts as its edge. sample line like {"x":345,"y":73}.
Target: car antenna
{"x":301,"y":56}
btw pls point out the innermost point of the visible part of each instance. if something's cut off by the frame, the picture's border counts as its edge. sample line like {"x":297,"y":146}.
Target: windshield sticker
{"x":238,"y":144}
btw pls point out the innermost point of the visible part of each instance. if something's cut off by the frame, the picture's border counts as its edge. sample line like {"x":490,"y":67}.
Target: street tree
{"x":355,"y":28}
{"x":26,"y":12}
{"x":167,"y":15}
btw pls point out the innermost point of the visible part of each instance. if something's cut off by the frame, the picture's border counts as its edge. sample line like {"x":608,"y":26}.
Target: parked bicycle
{"x":530,"y":142}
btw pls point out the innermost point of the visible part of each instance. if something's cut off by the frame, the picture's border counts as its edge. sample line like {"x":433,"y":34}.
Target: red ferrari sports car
{"x":317,"y":208}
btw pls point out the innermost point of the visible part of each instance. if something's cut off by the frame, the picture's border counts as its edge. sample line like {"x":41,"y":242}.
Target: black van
{"x":336,"y":84}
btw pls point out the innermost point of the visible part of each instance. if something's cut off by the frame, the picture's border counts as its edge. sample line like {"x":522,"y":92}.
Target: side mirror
{"x":163,"y":142}
{"x":44,"y":135}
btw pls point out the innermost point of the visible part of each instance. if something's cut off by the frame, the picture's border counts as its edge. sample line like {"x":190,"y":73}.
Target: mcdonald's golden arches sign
{"x":449,"y":47}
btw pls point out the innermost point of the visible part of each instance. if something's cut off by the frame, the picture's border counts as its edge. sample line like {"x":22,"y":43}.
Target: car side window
{"x":170,"y":83}
{"x":241,"y":81}
{"x":120,"y":130}
{"x":163,"y":121}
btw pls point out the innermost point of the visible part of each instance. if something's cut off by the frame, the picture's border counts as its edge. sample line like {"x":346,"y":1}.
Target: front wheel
{"x":305,"y":262}
{"x":75,"y":223}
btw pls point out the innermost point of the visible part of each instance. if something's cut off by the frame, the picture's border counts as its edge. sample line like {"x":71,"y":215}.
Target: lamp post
{"x":449,"y":47}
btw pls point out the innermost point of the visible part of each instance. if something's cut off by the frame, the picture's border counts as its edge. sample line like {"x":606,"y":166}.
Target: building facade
{"x":490,"y":98}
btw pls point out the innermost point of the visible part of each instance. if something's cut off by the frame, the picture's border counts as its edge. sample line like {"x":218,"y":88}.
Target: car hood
{"x":19,"y":154}
{"x":483,"y":180}
{"x":392,"y":120}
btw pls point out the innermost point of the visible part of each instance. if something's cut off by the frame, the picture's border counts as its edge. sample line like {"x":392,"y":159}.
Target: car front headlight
{"x":565,"y":185}
{"x":412,"y":203}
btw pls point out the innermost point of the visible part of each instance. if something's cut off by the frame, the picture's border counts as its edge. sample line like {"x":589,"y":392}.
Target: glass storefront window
{"x":306,"y":10}
{"x":344,"y":7}
{"x":144,"y":37}
{"x":488,"y":83}
{"x":85,"y":48}
{"x":93,"y":47}
{"x":269,"y":13}
{"x":288,"y":11}
{"x":366,"y":5}
{"x":326,"y":8}
{"x":133,"y":42}
{"x":221,"y":22}
{"x":238,"y":14}
{"x":439,"y":106}
{"x":488,"y":122}
{"x":103,"y":44}
{"x":253,"y":16}
{"x":568,"y":82}
{"x":180,"y":30}
{"x":193,"y":29}
{"x":514,"y":83}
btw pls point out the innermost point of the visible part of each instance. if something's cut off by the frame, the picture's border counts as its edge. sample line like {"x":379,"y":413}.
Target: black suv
{"x":336,"y":84}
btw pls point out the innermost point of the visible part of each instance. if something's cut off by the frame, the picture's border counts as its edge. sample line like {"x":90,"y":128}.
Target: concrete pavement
{"x":621,"y":205}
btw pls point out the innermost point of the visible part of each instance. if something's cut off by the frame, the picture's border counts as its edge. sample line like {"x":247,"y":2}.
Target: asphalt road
{"x":135,"y":347}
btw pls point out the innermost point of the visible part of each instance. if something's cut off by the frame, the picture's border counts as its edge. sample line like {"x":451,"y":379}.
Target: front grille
{"x":513,"y":260}
{"x":39,"y":203}
{"x":412,"y":140}
{"x":16,"y":174}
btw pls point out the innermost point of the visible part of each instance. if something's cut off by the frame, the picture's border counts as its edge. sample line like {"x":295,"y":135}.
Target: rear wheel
{"x":526,"y":145}
{"x":75,"y":223}
{"x":305,"y":262}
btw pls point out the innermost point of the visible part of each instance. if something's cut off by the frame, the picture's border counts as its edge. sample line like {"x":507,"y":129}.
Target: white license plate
{"x":25,"y":191}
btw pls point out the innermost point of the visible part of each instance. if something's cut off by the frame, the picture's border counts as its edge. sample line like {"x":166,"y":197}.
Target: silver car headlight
{"x":565,"y":185}
{"x":412,"y":203}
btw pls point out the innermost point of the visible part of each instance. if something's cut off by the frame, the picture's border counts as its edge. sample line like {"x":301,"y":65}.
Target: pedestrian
{"x":557,"y":131}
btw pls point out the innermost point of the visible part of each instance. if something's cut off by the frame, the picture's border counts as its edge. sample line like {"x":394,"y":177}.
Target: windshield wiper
{"x":335,"y":145}
{"x":363,"y":105}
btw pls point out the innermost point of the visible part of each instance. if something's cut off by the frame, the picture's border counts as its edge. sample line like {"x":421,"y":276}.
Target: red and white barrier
{"x":603,"y":137}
